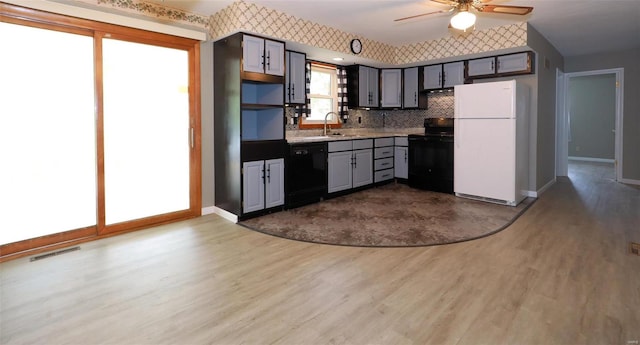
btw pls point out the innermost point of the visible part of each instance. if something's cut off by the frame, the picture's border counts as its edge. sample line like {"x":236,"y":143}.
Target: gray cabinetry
{"x":349,"y":164}
{"x":443,"y":75}
{"x":412,"y":85}
{"x":501,"y":65}
{"x":383,"y":159}
{"x":263,"y":184}
{"x":363,"y":86}
{"x":262,"y":56}
{"x":401,"y":158}
{"x":391,"y":81}
{"x":295,"y":83}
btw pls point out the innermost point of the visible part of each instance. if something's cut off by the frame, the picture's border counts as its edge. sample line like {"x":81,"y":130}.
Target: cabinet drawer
{"x":384,"y":163}
{"x":362,"y":144}
{"x":383,"y":175}
{"x":383,"y":152}
{"x":384,"y":142}
{"x":402,"y":141}
{"x":342,"y":145}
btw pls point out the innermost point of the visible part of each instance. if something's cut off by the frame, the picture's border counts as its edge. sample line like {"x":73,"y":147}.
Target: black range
{"x":431,"y":156}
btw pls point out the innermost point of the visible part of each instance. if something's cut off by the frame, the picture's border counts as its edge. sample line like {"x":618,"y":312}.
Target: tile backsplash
{"x":440,"y":104}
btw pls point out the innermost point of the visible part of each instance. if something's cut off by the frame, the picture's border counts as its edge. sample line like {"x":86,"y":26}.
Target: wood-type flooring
{"x":561,"y":274}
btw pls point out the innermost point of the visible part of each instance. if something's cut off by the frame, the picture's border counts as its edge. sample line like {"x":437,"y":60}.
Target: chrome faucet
{"x":324,"y":132}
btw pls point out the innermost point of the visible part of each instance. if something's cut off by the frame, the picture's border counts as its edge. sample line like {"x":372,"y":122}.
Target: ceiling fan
{"x":464,"y":18}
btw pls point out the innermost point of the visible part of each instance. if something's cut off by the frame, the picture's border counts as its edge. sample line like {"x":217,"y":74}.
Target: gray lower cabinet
{"x":262,"y":184}
{"x":401,"y":158}
{"x":383,"y":159}
{"x":349,"y":164}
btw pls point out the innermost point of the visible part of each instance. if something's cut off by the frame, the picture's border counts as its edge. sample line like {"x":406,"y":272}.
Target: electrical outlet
{"x":634,"y":248}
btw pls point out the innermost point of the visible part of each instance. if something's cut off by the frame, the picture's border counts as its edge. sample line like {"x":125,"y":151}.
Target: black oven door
{"x":431,"y":163}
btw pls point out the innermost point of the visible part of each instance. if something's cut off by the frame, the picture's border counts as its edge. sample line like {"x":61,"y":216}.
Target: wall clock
{"x":356,"y":46}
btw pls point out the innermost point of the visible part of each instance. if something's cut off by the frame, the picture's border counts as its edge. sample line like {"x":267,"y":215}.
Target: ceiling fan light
{"x":463,"y":20}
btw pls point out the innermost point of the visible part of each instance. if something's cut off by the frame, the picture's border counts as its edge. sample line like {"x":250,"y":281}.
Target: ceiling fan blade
{"x":521,"y":10}
{"x":447,"y":2}
{"x":420,"y":15}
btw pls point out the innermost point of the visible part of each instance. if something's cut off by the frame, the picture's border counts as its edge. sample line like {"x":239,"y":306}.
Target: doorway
{"x":590,"y":119}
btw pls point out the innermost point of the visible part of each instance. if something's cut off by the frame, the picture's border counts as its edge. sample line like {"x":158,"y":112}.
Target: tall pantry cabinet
{"x":249,"y":136}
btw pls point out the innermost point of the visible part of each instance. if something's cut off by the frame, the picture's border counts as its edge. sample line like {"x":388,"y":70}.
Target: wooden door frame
{"x":50,"y":21}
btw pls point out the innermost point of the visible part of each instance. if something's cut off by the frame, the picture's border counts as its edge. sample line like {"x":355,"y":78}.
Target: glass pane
{"x":319,"y":108}
{"x":47,"y":132}
{"x":146,"y":130}
{"x":320,"y":83}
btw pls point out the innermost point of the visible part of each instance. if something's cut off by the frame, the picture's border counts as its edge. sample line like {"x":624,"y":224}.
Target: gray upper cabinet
{"x":362,"y":87}
{"x":443,"y":75}
{"x":410,"y":95}
{"x":514,"y":63}
{"x":479,"y":67}
{"x":433,"y":77}
{"x":453,"y":74}
{"x":501,"y":65}
{"x":391,"y":81}
{"x":262,"y":56}
{"x":295,"y":83}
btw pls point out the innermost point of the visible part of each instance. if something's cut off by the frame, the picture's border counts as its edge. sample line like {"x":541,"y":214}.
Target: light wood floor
{"x":561,"y":274}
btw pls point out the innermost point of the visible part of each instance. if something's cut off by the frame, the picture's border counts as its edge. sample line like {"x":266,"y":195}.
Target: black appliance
{"x":306,"y":173}
{"x":431,"y":156}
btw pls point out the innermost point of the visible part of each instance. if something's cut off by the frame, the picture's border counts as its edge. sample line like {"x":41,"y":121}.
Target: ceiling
{"x":574,"y":27}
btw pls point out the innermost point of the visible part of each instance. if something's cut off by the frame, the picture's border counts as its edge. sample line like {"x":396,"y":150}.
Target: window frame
{"x":306,"y":123}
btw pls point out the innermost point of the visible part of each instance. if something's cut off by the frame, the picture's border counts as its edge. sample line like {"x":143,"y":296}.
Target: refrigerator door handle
{"x":456,"y":133}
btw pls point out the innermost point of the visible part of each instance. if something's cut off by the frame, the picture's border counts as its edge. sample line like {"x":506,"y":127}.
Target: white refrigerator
{"x":491,"y":143}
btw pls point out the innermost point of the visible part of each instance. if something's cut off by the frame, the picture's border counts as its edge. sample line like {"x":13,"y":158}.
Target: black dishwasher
{"x":306,"y":173}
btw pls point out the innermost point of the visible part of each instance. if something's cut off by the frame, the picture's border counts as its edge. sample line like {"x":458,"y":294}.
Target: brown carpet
{"x":393,"y":215}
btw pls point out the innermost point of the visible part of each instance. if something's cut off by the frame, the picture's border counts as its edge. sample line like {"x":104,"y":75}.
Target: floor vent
{"x":59,"y":252}
{"x":634,"y":248}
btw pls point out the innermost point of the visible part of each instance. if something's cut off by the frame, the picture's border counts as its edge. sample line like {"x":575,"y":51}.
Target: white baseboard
{"x":545,"y":187}
{"x":208,"y":210}
{"x":629,"y":181}
{"x":589,"y":159}
{"x":225,"y":214}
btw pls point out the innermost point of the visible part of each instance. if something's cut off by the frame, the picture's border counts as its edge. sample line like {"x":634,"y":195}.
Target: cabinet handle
{"x":269,"y":60}
{"x":498,"y":65}
{"x":262,"y":174}
{"x":269,"y":173}
{"x":444,"y":78}
{"x":262,"y":62}
{"x":293,"y":91}
{"x":353,"y":162}
{"x":405,"y":156}
{"x":492,"y":66}
{"x":383,"y":164}
{"x":385,"y":175}
{"x":415,"y":97}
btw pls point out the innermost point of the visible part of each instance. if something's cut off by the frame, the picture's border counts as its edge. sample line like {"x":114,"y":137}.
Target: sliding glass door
{"x":146,"y":130}
{"x":47,"y":132}
{"x":98,"y":129}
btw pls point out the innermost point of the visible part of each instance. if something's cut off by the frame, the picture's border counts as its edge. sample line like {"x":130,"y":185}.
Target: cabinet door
{"x":362,"y":167}
{"x":453,"y":74}
{"x":274,"y":58}
{"x":364,"y":95}
{"x":295,"y":78}
{"x":401,"y":162}
{"x":410,"y":87}
{"x":433,"y":77}
{"x":274,"y":182}
{"x":252,"y":186}
{"x":514,"y":63}
{"x":252,"y":54}
{"x":478,"y":67}
{"x":391,"y":88}
{"x":373,"y":86}
{"x":339,"y":171}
